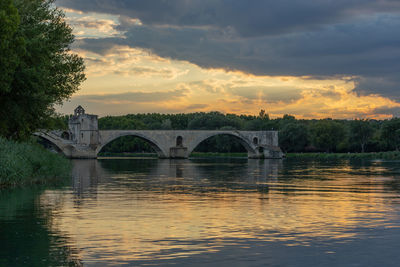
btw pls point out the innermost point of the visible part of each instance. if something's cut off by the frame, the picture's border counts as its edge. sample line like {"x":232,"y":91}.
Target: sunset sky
{"x":310,"y":59}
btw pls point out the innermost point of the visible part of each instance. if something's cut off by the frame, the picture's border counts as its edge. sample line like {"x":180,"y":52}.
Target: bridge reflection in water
{"x":234,"y":211}
{"x":89,"y":173}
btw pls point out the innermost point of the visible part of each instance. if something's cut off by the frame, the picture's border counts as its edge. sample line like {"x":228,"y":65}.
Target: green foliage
{"x":120,"y":123}
{"x":27,"y":163}
{"x":361,"y":133}
{"x":391,"y":133}
{"x":222,"y":144}
{"x":293,"y":137}
{"x":263,"y":115}
{"x":212,"y":121}
{"x":11,"y":44}
{"x":40,"y":70}
{"x":166,"y":124}
{"x":327,"y":134}
{"x":128,"y":144}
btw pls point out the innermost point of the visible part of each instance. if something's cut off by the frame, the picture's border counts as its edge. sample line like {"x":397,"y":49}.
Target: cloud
{"x":345,"y":49}
{"x":90,"y":22}
{"x":126,"y":62}
{"x":145,"y":71}
{"x":133,"y":97}
{"x":196,"y":107}
{"x":268,"y":94}
{"x":394,"y":111}
{"x":386,"y":85}
{"x":128,"y":102}
{"x":353,"y":41}
{"x":92,"y":25}
{"x":314,"y":101}
{"x":248,"y":18}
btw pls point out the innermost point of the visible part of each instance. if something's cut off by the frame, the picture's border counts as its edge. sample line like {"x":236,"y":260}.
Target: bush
{"x":29,"y":163}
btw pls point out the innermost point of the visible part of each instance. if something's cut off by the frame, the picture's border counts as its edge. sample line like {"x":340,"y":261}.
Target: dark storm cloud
{"x":249,"y":18}
{"x":296,"y":37}
{"x":388,"y":85}
{"x":395,"y":112}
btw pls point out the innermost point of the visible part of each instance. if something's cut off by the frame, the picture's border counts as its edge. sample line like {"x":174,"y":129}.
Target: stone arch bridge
{"x":85,"y":140}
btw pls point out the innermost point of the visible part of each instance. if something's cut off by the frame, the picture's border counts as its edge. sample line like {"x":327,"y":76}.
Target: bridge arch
{"x":150,"y":141}
{"x":251,"y":149}
{"x":60,"y":147}
{"x":65,"y":135}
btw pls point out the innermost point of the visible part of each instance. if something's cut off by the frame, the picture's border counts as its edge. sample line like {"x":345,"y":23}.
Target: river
{"x":207,"y":212}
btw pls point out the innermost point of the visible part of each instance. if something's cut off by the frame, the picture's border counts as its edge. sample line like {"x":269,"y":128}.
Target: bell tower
{"x":84,"y":128}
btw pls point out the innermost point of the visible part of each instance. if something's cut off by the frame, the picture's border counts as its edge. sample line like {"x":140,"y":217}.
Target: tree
{"x":361,"y":132}
{"x":166,"y":124}
{"x":293,"y":137}
{"x":212,"y":120}
{"x":42,"y":72}
{"x":391,"y":133}
{"x":10,"y":45}
{"x":263,"y":115}
{"x":327,"y":134}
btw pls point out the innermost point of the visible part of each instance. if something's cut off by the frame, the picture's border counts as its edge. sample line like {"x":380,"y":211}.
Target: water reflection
{"x":26,"y":235}
{"x":153,"y":174}
{"x":148,"y":209}
{"x":231,"y":211}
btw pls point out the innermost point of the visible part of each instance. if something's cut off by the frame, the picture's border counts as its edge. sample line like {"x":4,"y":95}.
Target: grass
{"x":28,"y":163}
{"x":390,"y":155}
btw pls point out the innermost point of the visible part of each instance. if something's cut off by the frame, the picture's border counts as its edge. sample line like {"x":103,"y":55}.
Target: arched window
{"x":65,"y":135}
{"x":261,"y":149}
{"x":179,"y":141}
{"x":255,"y":140}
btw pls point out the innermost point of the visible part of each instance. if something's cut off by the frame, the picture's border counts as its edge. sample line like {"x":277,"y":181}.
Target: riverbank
{"x":28,"y":163}
{"x":390,"y":155}
{"x":193,"y":155}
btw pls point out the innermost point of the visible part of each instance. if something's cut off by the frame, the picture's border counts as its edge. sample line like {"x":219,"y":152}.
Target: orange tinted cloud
{"x":124,"y":71}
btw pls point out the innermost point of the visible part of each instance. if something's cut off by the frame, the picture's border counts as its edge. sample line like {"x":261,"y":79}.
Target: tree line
{"x":295,"y":135}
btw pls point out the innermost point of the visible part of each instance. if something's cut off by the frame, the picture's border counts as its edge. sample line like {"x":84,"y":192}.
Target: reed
{"x":25,"y":163}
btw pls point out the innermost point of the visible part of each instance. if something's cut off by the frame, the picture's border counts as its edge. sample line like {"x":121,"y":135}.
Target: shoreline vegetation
{"x":27,"y":163}
{"x":193,"y":155}
{"x":388,"y":155}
